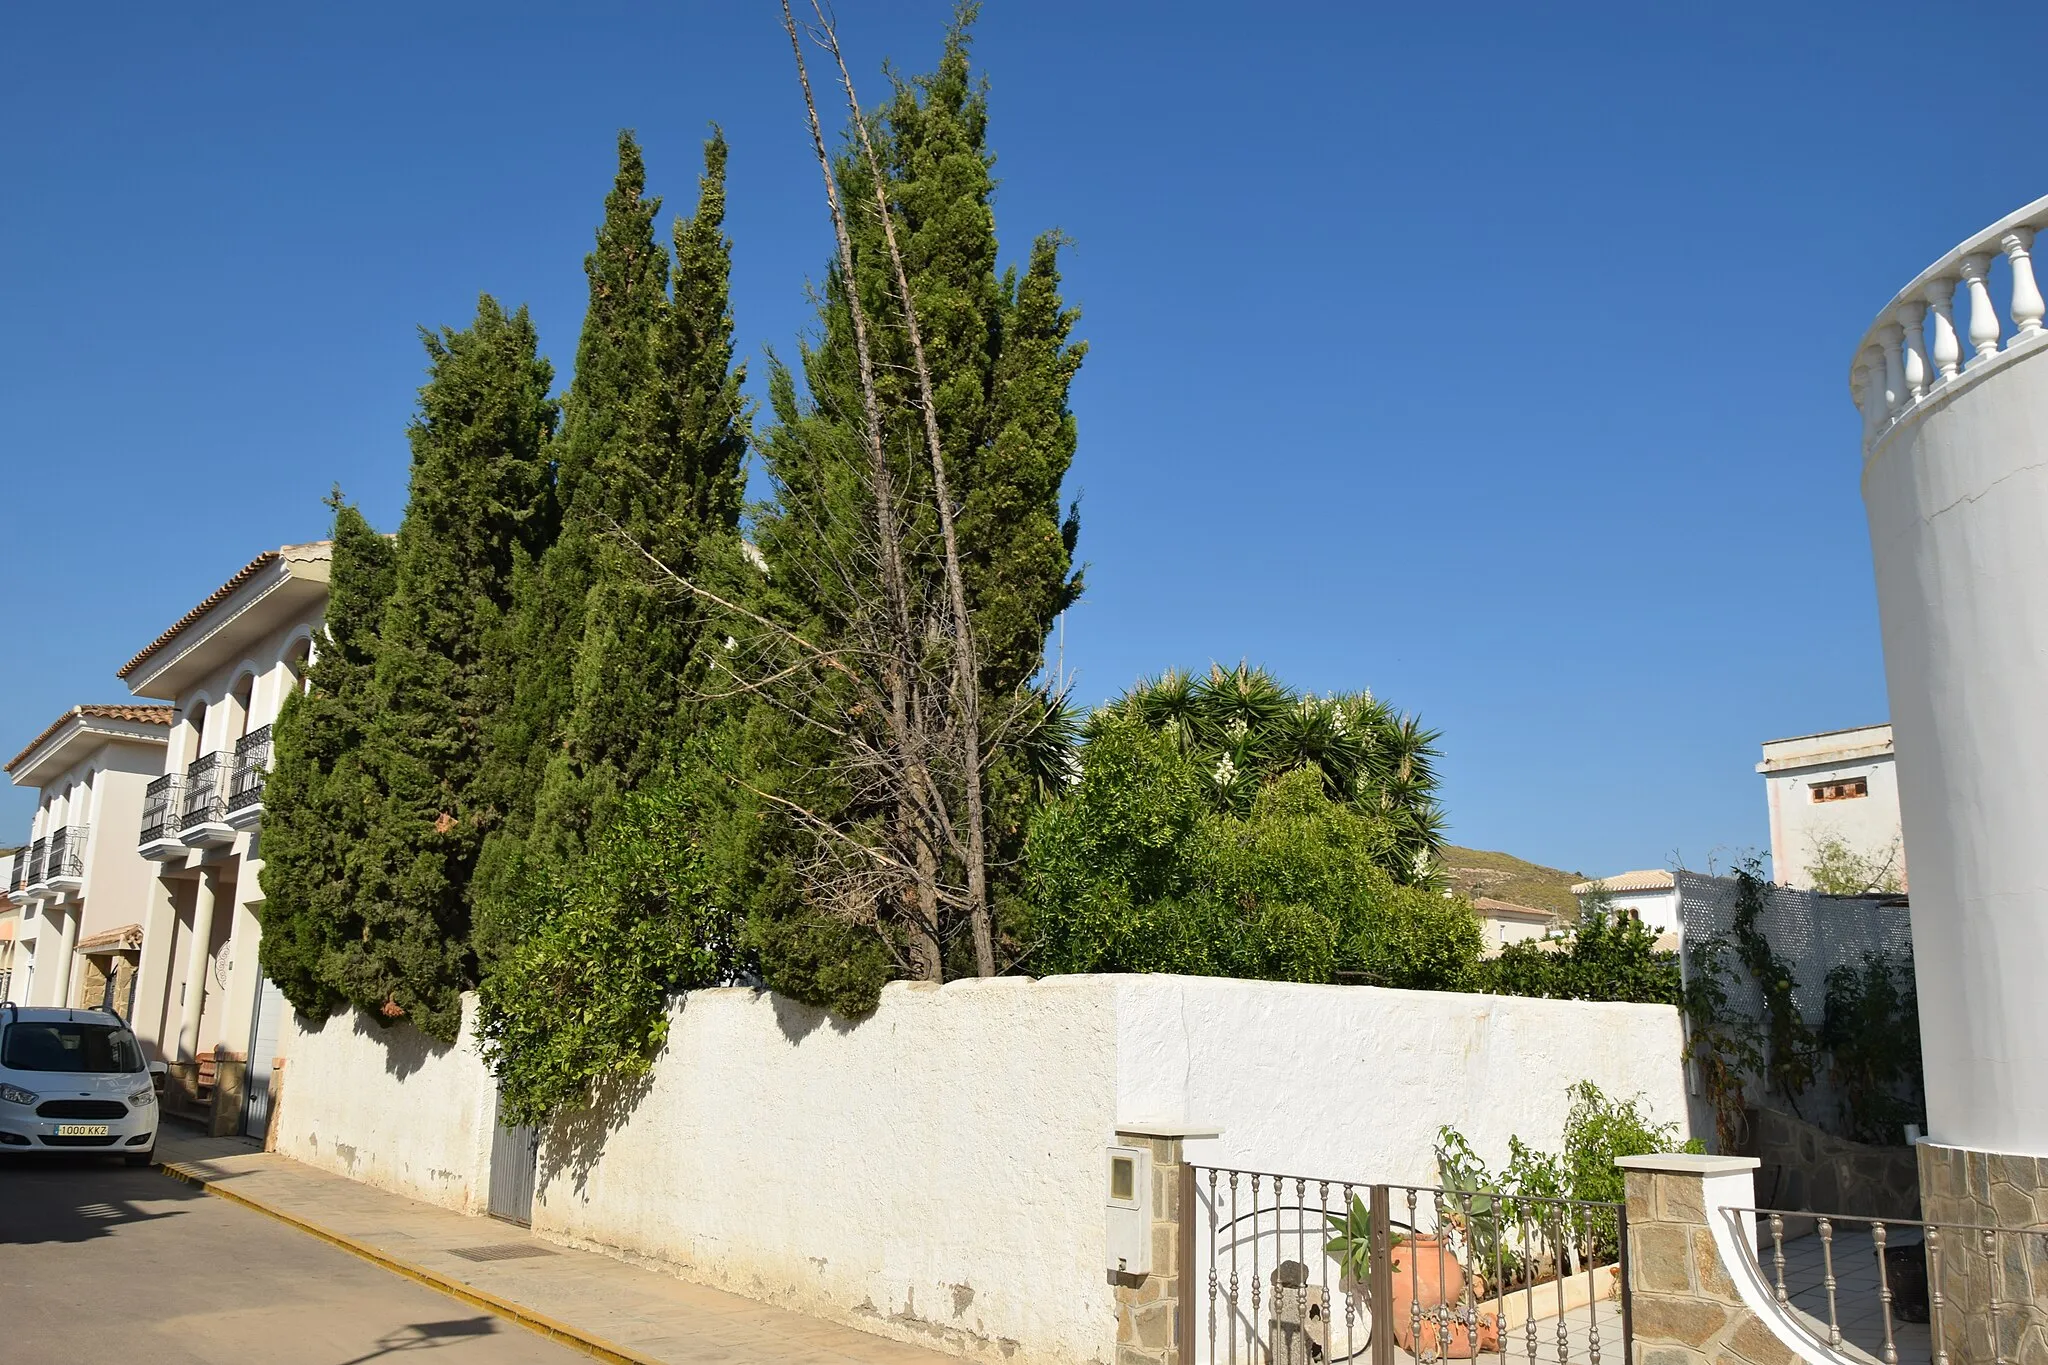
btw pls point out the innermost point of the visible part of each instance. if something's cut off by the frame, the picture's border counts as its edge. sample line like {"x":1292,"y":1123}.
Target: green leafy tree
{"x":321,"y":790}
{"x":1870,"y":1030}
{"x":1136,"y":870}
{"x":1244,"y":727}
{"x":1839,"y":870}
{"x":479,"y":510}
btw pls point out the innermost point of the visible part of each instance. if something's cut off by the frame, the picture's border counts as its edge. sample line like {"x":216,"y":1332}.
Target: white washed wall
{"x":934,"y":1173}
{"x":1352,"y":1083}
{"x":389,"y":1108}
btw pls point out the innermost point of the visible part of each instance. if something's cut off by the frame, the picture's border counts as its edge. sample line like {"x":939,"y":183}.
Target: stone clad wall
{"x":1805,"y":1168}
{"x":1988,"y":1190}
{"x":1685,"y":1305}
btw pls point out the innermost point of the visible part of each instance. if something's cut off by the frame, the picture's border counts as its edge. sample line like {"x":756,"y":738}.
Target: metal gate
{"x":515,"y":1161}
{"x":1293,"y":1270}
{"x":270,"y":1008}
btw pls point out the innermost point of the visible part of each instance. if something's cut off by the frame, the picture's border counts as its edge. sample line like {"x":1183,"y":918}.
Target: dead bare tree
{"x":890,"y":684}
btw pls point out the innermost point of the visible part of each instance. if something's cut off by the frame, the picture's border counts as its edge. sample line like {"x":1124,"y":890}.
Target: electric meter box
{"x":1128,"y":1210}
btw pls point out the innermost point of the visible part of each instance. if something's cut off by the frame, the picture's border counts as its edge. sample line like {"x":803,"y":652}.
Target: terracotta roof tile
{"x":1649,"y":879}
{"x":213,"y":599}
{"x":122,"y":711}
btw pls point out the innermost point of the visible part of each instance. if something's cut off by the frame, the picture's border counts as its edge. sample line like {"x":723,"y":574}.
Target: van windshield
{"x":87,"y":1048}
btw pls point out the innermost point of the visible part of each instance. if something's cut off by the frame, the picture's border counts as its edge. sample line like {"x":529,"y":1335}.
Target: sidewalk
{"x":593,"y":1303}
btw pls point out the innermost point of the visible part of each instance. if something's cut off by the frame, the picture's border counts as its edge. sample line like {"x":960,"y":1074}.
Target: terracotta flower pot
{"x":1428,"y":1276}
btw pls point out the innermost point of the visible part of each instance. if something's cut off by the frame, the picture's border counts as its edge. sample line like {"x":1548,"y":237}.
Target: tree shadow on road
{"x":427,"y":1336}
{"x":80,"y":1199}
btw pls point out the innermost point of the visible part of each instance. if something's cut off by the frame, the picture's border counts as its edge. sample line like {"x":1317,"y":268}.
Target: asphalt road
{"x":102,"y":1262}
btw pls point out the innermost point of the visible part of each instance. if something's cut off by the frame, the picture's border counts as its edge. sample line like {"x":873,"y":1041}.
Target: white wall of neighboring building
{"x":1957,"y":495}
{"x":935,"y":1172}
{"x":1811,"y":784}
{"x":1650,"y":896}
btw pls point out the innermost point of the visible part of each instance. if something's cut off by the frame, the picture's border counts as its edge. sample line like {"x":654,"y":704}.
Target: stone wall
{"x":1687,"y":1308}
{"x":1988,"y":1190}
{"x":1805,"y":1168}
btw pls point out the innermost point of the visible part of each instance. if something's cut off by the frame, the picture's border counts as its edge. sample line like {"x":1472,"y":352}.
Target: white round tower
{"x":1954,"y":395}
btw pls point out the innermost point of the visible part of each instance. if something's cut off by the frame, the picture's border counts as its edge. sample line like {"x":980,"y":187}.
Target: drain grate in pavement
{"x":500,"y":1251}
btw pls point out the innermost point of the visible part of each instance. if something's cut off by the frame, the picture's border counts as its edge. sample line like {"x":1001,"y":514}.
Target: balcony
{"x":161,"y":811}
{"x":36,"y":859}
{"x":18,"y":884}
{"x":63,"y":867}
{"x":203,"y":811}
{"x":245,"y":788}
{"x":1916,"y":359}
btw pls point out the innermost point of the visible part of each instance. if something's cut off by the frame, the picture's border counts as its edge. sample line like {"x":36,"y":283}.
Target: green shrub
{"x":1610,"y":957}
{"x":584,"y":991}
{"x":1134,"y":870}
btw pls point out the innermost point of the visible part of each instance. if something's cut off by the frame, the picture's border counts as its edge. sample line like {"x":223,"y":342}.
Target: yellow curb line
{"x":566,"y":1335}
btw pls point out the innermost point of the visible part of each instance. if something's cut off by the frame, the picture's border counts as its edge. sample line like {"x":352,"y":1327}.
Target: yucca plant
{"x":1245,"y":728}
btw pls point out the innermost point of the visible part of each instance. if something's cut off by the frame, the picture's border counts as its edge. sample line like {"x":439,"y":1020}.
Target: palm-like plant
{"x":1244,"y":728}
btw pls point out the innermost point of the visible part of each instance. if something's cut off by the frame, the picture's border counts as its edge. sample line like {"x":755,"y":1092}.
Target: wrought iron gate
{"x":1295,"y":1270}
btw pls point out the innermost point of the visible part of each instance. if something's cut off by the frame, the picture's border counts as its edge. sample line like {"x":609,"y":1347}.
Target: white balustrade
{"x":1983,"y":317}
{"x":2026,"y":295}
{"x":1911,"y":315}
{"x":1948,"y":352}
{"x":1914,"y":353}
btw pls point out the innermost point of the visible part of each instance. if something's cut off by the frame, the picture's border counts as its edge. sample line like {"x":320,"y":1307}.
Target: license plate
{"x":81,"y":1130}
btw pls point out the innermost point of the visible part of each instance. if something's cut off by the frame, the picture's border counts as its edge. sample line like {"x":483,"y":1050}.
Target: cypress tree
{"x":651,"y":461}
{"x":1002,"y":360}
{"x":603,"y":416}
{"x":669,"y":478}
{"x":319,"y":795}
{"x":481,"y":506}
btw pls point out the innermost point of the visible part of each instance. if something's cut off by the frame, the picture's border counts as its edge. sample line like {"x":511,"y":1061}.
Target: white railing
{"x":1914,"y":352}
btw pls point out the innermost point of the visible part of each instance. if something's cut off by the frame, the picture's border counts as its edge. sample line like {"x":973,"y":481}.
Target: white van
{"x":73,"y":1081}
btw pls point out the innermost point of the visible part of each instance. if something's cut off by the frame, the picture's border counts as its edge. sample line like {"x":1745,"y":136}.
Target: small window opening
{"x":1848,"y":789}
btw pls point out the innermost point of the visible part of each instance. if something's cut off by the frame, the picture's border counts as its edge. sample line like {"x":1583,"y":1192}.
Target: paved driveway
{"x":98,"y":1261}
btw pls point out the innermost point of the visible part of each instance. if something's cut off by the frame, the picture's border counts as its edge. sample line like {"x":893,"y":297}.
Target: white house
{"x":1953,"y":391}
{"x":1649,"y":895}
{"x":79,"y":885}
{"x":227,"y":665}
{"x":1835,"y":795}
{"x":1504,"y":922}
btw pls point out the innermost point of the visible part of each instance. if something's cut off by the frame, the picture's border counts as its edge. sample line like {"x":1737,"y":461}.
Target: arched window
{"x":195,"y":718}
{"x":298,"y":658}
{"x":238,"y":714}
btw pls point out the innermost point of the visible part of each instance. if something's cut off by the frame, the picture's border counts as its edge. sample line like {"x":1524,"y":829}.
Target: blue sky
{"x":1493,"y":357}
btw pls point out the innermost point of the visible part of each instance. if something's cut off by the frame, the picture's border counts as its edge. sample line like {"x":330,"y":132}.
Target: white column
{"x":1983,"y":317}
{"x":66,"y":951}
{"x":1912,"y":315}
{"x":195,"y":967}
{"x":1892,"y":339}
{"x":245,"y":976}
{"x":153,"y":972}
{"x":2026,"y":295}
{"x":1948,"y":352}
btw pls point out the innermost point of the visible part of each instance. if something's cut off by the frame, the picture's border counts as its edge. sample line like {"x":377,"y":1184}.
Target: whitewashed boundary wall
{"x":389,"y":1107}
{"x":935,"y":1173}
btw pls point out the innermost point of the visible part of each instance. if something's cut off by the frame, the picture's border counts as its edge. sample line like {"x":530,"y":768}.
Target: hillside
{"x":1477,"y":872}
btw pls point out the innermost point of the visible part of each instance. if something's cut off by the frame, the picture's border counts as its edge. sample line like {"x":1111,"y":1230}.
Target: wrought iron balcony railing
{"x":35,"y":862}
{"x":65,"y":857}
{"x":160,"y":809}
{"x":18,"y":880}
{"x":252,"y":762}
{"x":205,"y":797}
